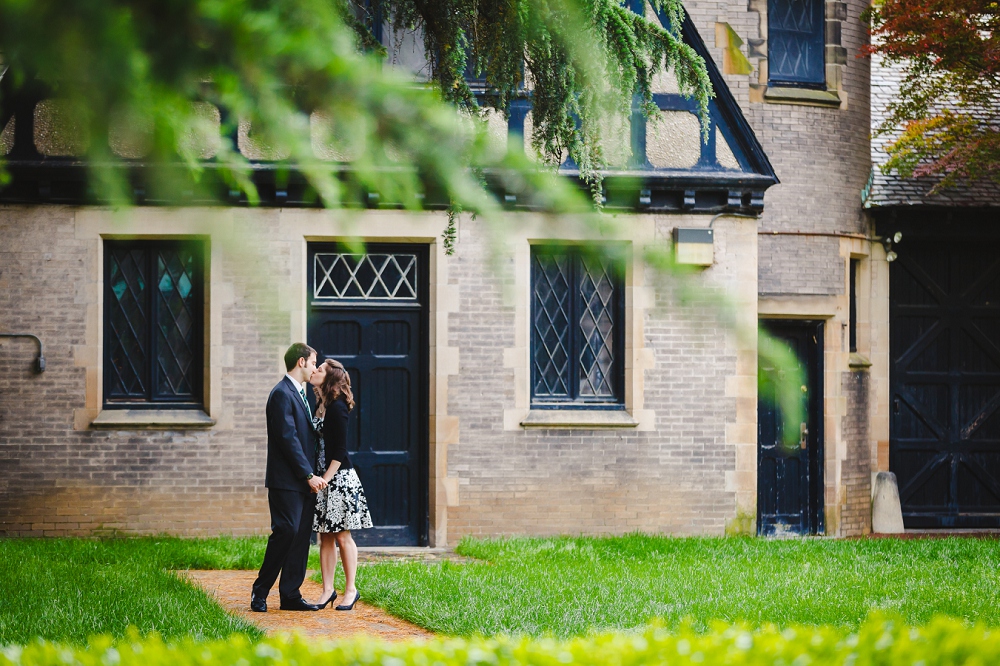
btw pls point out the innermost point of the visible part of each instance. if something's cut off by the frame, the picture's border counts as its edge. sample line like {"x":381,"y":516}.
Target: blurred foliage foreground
{"x":881,"y":640}
{"x":178,"y":80}
{"x":159,"y":72}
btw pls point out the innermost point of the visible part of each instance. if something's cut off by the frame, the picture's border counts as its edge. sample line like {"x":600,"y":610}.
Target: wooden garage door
{"x":945,"y":375}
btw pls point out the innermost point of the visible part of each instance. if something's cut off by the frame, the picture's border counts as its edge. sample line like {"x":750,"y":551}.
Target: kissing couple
{"x":311,"y":484}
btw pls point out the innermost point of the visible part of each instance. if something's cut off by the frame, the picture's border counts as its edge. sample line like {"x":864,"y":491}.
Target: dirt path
{"x":232,"y":590}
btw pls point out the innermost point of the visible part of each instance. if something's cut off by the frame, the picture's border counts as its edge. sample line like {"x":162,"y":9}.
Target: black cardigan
{"x":335,"y":434}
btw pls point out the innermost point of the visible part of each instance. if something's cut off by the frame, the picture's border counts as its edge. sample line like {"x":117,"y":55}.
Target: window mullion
{"x":574,"y":324}
{"x":584,"y":333}
{"x":532,"y":334}
{"x":199,"y":319}
{"x":106,"y":316}
{"x":618,"y":364}
{"x":168,"y":366}
{"x":154,"y":323}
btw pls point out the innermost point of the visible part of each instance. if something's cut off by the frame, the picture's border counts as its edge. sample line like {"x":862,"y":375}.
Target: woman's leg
{"x":349,"y":558}
{"x":327,"y":563}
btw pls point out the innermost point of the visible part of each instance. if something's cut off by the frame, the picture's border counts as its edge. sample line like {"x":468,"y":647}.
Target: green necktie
{"x":302,"y":392}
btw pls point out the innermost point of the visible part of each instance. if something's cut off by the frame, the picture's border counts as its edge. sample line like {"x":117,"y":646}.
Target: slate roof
{"x":892,"y":190}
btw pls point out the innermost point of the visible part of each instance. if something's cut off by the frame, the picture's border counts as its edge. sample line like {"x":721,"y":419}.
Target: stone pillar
{"x":856,"y":510}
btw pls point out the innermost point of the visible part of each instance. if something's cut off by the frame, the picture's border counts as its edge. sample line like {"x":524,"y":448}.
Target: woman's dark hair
{"x":336,"y":383}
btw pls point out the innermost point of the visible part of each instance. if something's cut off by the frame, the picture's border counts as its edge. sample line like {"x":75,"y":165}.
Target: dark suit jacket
{"x":290,"y":439}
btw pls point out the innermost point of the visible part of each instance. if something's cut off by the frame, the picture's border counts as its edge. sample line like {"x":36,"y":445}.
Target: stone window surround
{"x":100,"y":226}
{"x":637,"y":358}
{"x":835,"y":61}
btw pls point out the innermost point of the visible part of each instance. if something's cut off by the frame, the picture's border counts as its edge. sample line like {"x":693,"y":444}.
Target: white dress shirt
{"x":298,"y":387}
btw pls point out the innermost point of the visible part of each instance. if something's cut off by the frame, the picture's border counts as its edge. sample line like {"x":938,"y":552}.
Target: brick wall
{"x":856,"y":513}
{"x":821,"y":155}
{"x":58,"y":480}
{"x":60,"y":476}
{"x":679,"y":477}
{"x":800,"y":264}
{"x":676,"y":477}
{"x":812,"y":222}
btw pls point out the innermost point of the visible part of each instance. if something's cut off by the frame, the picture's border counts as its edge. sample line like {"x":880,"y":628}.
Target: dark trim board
{"x":734,"y":127}
{"x":937,"y":222}
{"x":64,"y":182}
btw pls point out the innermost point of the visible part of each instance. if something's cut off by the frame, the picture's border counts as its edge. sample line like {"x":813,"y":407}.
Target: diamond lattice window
{"x":365,"y":277}
{"x":577,"y":330}
{"x":795,"y":48}
{"x":154,"y":300}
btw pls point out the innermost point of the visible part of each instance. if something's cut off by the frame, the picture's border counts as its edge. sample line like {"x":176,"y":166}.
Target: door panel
{"x":944,"y":443}
{"x":390,"y":426}
{"x":341,"y":338}
{"x":383,"y":346}
{"x":789,"y":480}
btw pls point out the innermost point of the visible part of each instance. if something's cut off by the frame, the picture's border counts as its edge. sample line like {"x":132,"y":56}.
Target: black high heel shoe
{"x":345,"y":607}
{"x":328,"y":601}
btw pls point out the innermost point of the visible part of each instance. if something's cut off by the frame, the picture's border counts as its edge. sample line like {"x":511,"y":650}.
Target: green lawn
{"x":569,"y":586}
{"x":69,"y":589}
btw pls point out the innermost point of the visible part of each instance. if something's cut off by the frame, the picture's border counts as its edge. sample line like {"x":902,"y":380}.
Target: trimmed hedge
{"x":881,"y":640}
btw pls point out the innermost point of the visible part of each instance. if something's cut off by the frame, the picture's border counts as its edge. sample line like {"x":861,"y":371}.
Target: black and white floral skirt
{"x":342,"y":505}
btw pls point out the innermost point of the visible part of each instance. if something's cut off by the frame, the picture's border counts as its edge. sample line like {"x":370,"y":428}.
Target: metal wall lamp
{"x":887,"y":242}
{"x":40,"y":361}
{"x":695,"y":246}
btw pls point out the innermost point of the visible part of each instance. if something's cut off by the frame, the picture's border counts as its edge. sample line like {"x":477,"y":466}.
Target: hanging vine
{"x":580,"y":60}
{"x":307,"y":73}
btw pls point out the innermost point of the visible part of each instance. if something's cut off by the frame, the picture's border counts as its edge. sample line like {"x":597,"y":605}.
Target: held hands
{"x":316,"y":483}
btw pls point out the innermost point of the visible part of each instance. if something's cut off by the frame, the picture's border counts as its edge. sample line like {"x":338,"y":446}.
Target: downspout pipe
{"x":40,"y":361}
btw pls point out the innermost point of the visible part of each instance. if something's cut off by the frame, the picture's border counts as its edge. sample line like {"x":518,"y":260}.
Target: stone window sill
{"x":578,"y":418}
{"x":828,"y":98}
{"x":161,"y":419}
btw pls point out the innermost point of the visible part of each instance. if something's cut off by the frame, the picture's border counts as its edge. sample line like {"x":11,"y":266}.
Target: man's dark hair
{"x":295,"y":352}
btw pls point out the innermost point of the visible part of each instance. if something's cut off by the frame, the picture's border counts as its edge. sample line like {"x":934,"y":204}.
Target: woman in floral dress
{"x":341,"y":506}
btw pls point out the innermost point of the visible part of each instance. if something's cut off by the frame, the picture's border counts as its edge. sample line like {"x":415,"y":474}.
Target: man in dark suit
{"x":290,"y":483}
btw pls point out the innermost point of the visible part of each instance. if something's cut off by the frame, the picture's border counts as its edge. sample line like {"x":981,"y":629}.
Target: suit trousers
{"x":288,"y":546}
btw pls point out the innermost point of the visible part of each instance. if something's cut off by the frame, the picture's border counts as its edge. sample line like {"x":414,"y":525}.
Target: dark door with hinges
{"x":369,"y":311}
{"x":790,"y":478}
{"x":944,"y":440}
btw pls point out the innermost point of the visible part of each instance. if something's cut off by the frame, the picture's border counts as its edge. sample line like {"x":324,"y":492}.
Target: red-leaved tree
{"x":948,"y":106}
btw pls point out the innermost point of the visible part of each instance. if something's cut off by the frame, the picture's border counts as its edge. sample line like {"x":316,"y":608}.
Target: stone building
{"x":558,"y":394}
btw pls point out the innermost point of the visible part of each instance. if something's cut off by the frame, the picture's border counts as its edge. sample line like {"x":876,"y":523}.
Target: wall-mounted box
{"x":694,"y":247}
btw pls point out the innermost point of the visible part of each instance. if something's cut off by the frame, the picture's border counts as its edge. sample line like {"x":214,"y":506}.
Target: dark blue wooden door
{"x":789,"y":479}
{"x":944,"y":438}
{"x":382,"y":343}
